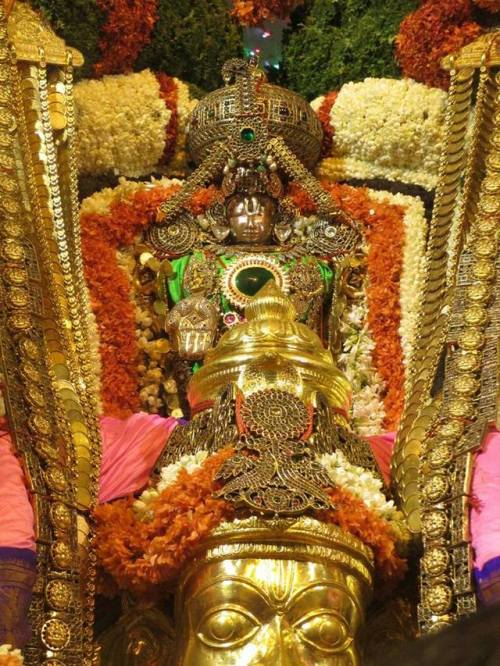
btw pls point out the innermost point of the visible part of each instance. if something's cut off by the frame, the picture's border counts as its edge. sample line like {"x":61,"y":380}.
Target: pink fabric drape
{"x":16,"y":513}
{"x":130,"y":450}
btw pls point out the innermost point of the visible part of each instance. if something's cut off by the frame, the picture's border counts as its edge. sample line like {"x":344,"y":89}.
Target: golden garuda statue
{"x":263,"y":529}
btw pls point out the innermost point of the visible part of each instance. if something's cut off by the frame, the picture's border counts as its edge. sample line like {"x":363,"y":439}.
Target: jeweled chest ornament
{"x":273,"y":471}
{"x":242,"y":280}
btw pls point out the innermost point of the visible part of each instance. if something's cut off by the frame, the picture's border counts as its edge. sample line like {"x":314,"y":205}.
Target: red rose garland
{"x":324,"y":118}
{"x":169,"y":94}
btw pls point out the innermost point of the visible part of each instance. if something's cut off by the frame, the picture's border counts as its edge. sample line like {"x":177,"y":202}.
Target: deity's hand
{"x":192,"y":325}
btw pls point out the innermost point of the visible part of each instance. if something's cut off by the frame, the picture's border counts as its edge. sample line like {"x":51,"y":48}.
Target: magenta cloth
{"x":485,"y":514}
{"x":382,"y":446}
{"x":16,"y":513}
{"x":130,"y":450}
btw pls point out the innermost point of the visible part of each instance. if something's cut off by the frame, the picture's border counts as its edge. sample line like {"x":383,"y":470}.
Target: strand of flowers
{"x":356,"y":361}
{"x":142,"y":554}
{"x":254,"y":12}
{"x":10,"y":656}
{"x":384,"y":234}
{"x":410,"y":284}
{"x":362,"y":483}
{"x":126,"y":31}
{"x":178,"y":162}
{"x":121,"y":123}
{"x":109,"y":220}
{"x":386,"y":128}
{"x":323,"y":106}
{"x":169,"y":94}
{"x":427,"y":35}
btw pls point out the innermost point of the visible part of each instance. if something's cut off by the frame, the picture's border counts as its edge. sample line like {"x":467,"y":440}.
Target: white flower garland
{"x":411,"y":280}
{"x":387,"y":128}
{"x":355,"y":360}
{"x":360,"y":482}
{"x":121,"y":123}
{"x":6,"y":650}
{"x":168,"y":476}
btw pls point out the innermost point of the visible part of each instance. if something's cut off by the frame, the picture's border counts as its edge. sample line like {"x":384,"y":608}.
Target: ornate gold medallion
{"x":241,"y":281}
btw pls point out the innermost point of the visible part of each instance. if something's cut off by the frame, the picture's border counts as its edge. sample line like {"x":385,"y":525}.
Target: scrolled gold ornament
{"x":466,"y":385}
{"x":19,"y":322}
{"x":436,"y":560}
{"x":61,"y":516}
{"x":274,"y":414}
{"x":483,"y":248}
{"x":467,"y":362}
{"x":450,"y":430}
{"x":439,"y":598}
{"x":436,"y":487}
{"x":17,"y":297}
{"x":489,"y":204}
{"x":478,"y":293}
{"x":62,"y":554}
{"x":459,"y":408}
{"x":12,"y":250}
{"x":483,"y":269}
{"x":440,"y":455}
{"x":475,"y":315}
{"x":15,"y":275}
{"x":56,"y":479}
{"x":59,"y":594}
{"x":434,"y":524}
{"x":40,"y":425}
{"x":55,"y":634}
{"x":471,"y":339}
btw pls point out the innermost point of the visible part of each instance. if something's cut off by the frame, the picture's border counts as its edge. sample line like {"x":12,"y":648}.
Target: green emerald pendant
{"x":247,"y":134}
{"x":250,"y":280}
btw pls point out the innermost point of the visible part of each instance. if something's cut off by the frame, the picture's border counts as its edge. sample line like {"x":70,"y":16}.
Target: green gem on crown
{"x":247,"y":134}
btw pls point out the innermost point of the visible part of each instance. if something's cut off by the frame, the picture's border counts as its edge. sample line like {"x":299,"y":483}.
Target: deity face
{"x":251,"y":218}
{"x":269,"y":612}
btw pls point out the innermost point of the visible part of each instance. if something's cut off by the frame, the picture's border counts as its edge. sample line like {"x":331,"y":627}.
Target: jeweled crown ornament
{"x":247,"y":112}
{"x":249,"y":138}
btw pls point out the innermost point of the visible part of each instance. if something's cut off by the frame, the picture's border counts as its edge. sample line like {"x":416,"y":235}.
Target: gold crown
{"x":247,"y":112}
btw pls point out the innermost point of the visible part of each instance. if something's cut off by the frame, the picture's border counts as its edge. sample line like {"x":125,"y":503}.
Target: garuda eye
{"x":324,"y":631}
{"x":227,"y":627}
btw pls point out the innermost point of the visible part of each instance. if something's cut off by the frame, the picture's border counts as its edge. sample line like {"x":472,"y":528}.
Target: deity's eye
{"x":324,"y":630}
{"x":227,"y":627}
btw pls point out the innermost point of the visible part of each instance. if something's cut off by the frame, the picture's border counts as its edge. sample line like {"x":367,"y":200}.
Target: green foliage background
{"x":191,"y":38}
{"x":342,"y":40}
{"x":79,"y":23}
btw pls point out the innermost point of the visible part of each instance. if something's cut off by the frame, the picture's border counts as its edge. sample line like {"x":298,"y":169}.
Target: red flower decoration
{"x":437,"y":28}
{"x":125,"y":33}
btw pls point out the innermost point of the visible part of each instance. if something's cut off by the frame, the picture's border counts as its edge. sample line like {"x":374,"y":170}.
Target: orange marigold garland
{"x":492,"y":6}
{"x":109,"y":290}
{"x":437,"y":28}
{"x":125,"y":33}
{"x":324,"y":118}
{"x":169,"y":94}
{"x":384,"y":232}
{"x":141,"y":555}
{"x":254,"y":12}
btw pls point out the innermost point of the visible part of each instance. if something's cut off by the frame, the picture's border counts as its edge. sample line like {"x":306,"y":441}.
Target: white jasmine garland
{"x":121,"y":122}
{"x":387,"y":128}
{"x":355,"y":360}
{"x":359,"y":482}
{"x":168,"y":476}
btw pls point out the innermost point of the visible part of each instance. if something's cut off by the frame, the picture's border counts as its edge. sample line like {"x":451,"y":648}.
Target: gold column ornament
{"x":461,"y":173}
{"x":44,"y":334}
